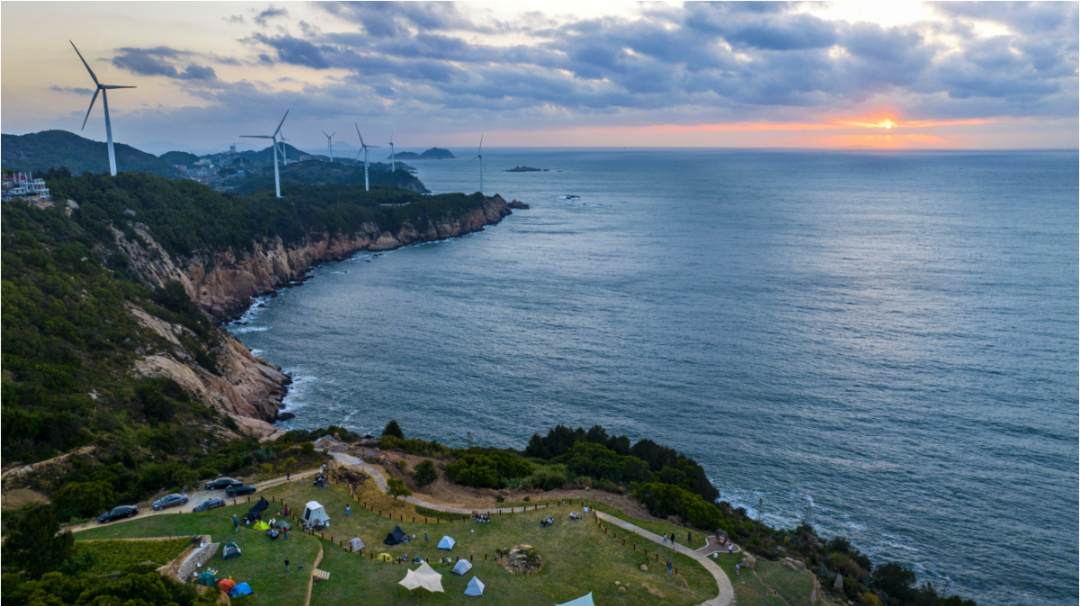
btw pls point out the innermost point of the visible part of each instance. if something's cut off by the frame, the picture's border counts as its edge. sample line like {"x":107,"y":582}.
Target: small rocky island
{"x":435,"y":153}
{"x":525,"y":169}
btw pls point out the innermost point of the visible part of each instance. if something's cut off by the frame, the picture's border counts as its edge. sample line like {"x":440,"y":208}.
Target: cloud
{"x":161,"y":61}
{"x":71,"y":89}
{"x":261,"y":17}
{"x":234,"y":19}
{"x":295,"y":51}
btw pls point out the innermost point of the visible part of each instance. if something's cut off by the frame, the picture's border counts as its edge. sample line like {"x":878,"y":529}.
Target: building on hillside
{"x":23,"y":186}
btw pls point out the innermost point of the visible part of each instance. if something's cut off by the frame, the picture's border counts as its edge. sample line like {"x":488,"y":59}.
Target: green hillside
{"x":60,"y":148}
{"x":179,"y":157}
{"x":314,"y":172}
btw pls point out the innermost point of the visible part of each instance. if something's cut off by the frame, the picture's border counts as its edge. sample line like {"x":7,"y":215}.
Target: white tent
{"x":314,"y":512}
{"x":355,"y":544}
{"x":585,"y":600}
{"x":447,"y":543}
{"x":424,"y":576}
{"x":462,"y":567}
{"x":476,"y":587}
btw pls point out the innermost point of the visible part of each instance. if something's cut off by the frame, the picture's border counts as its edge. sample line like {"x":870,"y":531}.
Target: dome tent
{"x":396,"y":537}
{"x":462,"y":567}
{"x":447,"y":543}
{"x":355,"y":544}
{"x":476,"y":587}
{"x":229,"y":551}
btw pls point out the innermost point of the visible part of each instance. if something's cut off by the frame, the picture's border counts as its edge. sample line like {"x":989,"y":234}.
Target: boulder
{"x":644,"y":568}
{"x":749,"y":561}
{"x":622,"y":590}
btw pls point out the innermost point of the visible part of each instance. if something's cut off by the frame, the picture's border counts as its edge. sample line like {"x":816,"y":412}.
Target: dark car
{"x":172,"y":500}
{"x":208,"y":504}
{"x":220,"y":483}
{"x":118,"y":513}
{"x":239,"y":490}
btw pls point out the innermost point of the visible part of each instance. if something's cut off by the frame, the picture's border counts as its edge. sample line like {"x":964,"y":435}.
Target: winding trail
{"x":726,"y":592}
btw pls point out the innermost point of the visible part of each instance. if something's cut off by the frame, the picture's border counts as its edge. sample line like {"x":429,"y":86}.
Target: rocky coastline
{"x":251,"y":389}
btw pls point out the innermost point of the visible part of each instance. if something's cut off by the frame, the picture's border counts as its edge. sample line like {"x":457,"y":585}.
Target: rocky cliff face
{"x":250,"y":389}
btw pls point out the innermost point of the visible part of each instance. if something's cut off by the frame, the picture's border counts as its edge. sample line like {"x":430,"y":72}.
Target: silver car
{"x":173,"y":500}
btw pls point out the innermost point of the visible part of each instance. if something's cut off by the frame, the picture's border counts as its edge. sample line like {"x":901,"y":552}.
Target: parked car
{"x":220,"y":483}
{"x":172,"y":500}
{"x":209,"y":504}
{"x":118,"y":513}
{"x":239,"y":490}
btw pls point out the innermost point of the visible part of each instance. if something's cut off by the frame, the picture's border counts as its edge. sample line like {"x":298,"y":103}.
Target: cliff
{"x":248,"y":388}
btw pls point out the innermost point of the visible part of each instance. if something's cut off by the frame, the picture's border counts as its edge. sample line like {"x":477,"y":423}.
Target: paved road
{"x":194,"y":498}
{"x":725,"y":597}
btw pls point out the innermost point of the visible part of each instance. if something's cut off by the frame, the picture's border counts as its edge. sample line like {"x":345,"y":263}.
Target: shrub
{"x":402,"y":464}
{"x":36,"y":545}
{"x":425,"y":473}
{"x":393,"y":430}
{"x":487,"y":469}
{"x":664,"y":500}
{"x":396,"y":488}
{"x":308,"y":448}
{"x":83,"y":499}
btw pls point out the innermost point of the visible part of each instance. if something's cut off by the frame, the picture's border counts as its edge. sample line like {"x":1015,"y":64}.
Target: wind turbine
{"x":101,"y":88}
{"x":480,"y":157}
{"x":330,"y":144}
{"x":392,"y":165}
{"x":363,"y":148}
{"x":273,"y":139}
{"x":284,"y":156}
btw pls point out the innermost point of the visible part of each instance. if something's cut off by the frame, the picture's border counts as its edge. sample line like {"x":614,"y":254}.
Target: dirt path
{"x":194,"y":498}
{"x":726,"y":594}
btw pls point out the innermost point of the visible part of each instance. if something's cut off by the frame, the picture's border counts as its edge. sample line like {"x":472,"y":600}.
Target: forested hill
{"x":60,"y":148}
{"x":316,"y":172}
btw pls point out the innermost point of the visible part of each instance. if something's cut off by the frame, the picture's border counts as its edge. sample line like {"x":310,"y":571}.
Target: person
{"x":737,"y":570}
{"x":286,"y":565}
{"x":689,"y":538}
{"x":285,"y":532}
{"x":288,"y":476}
{"x":665,"y":539}
{"x":729,"y":548}
{"x":235,"y":525}
{"x":425,"y":537}
{"x":347,"y":510}
{"x":669,"y":570}
{"x":324,"y":467}
{"x":586,"y":510}
{"x":673,"y":538}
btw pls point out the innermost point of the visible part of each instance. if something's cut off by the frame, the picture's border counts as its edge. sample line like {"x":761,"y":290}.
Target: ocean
{"x":882,"y":343}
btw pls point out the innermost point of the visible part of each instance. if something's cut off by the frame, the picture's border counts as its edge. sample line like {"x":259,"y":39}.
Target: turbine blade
{"x":325,"y":135}
{"x":91,"y":108}
{"x":84,"y":63}
{"x":112,"y":86}
{"x":481,"y":148}
{"x":282,"y":122}
{"x":256,"y":136}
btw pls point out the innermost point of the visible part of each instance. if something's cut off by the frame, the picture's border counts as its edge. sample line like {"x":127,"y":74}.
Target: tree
{"x":393,"y":429}
{"x":425,"y":473}
{"x":396,"y":488}
{"x":84,"y":499}
{"x":35,"y":545}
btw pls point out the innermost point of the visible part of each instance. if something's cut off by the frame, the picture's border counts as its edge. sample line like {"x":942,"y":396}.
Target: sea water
{"x":881,"y":343}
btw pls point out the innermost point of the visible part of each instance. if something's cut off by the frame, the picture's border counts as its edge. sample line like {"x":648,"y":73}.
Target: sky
{"x":903,"y":75}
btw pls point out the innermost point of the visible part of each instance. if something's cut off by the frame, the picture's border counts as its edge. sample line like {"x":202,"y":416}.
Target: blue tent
{"x":239,"y":590}
{"x":585,"y":600}
{"x":476,"y":587}
{"x":461,"y":568}
{"x":447,"y":543}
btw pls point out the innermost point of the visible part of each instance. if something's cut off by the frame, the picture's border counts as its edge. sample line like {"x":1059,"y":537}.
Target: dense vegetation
{"x":295,"y":177}
{"x":60,"y":148}
{"x":107,"y":557}
{"x":179,"y":157}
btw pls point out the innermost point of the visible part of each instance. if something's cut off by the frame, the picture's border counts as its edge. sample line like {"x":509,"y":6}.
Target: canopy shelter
{"x":396,"y":536}
{"x":315,"y":513}
{"x":226,"y":585}
{"x":385,"y":557}
{"x":207,"y":579}
{"x":462,"y":567}
{"x":260,"y":525}
{"x":447,"y":543}
{"x":231,"y":550}
{"x":282,"y":524}
{"x":424,"y":576}
{"x":585,"y":600}
{"x":355,"y":544}
{"x":476,"y":587}
{"x":257,"y":509}
{"x":239,"y":590}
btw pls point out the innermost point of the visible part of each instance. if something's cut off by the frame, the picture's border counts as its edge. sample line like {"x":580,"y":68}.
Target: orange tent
{"x":226,"y":585}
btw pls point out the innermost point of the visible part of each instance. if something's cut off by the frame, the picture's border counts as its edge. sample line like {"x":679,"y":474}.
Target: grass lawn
{"x":766,"y":581}
{"x":262,"y":564}
{"x":112,"y":556}
{"x":578,"y":557}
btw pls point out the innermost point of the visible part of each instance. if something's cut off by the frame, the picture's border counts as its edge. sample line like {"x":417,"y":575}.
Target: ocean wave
{"x":299,"y":389}
{"x":258,"y":304}
{"x":239,"y":330}
{"x":257,"y":353}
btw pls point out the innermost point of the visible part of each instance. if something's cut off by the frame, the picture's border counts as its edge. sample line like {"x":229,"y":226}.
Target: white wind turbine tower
{"x":480,"y":157}
{"x":330,"y":144}
{"x":363,"y":148}
{"x":284,"y":156}
{"x":393,"y":167}
{"x":273,"y":139}
{"x":101,"y":88}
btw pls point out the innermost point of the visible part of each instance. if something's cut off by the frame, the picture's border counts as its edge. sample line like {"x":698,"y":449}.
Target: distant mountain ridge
{"x":435,"y":153}
{"x":59,"y":148}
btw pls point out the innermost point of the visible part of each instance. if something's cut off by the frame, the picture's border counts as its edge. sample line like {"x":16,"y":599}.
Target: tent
{"x":385,"y":557}
{"x":585,"y":600}
{"x":206,"y":579}
{"x":260,"y":525}
{"x":282,"y":524}
{"x":462,"y":567}
{"x":257,"y":508}
{"x":231,"y":550}
{"x":424,"y":576}
{"x":313,"y":512}
{"x":226,"y":585}
{"x":239,"y":590}
{"x":476,"y":587}
{"x":447,"y":543}
{"x":355,"y":544}
{"x":396,"y":537}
